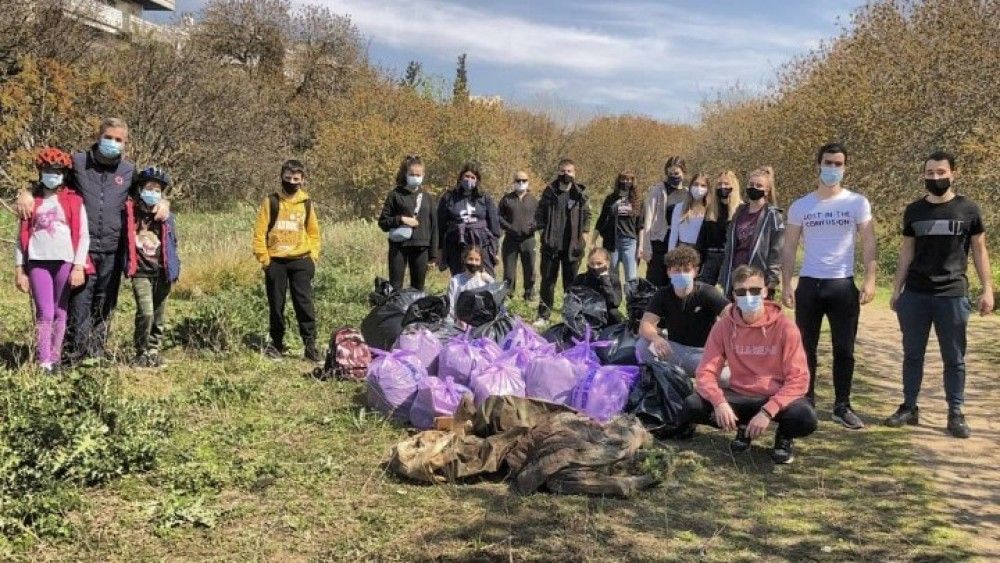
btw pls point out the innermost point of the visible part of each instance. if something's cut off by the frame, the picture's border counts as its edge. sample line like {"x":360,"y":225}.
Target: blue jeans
{"x":917,"y":312}
{"x":624,"y":253}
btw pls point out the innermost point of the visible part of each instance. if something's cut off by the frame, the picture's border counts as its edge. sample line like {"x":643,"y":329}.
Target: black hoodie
{"x":563,"y":226}
{"x":400,"y":203}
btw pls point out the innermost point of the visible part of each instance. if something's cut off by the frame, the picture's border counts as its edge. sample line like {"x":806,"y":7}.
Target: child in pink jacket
{"x":769,"y":376}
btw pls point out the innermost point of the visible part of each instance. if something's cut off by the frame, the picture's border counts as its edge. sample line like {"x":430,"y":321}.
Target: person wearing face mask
{"x":768,"y":378}
{"x":409,"y":216}
{"x":677,"y":320}
{"x":467,"y":216}
{"x":828,"y":220}
{"x":286,"y":242}
{"x":51,"y":256}
{"x":601,"y":279}
{"x":931,"y":288}
{"x":756,"y":233}
{"x":151,"y":261}
{"x":517,"y":219}
{"x":102,"y":175}
{"x":563,"y":219}
{"x":689,"y":216}
{"x":660,"y":201}
{"x":620,"y":225}
{"x":712,"y":238}
{"x":473,"y":276}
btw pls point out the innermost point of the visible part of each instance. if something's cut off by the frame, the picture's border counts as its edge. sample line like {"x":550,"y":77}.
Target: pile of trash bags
{"x":424,"y":368}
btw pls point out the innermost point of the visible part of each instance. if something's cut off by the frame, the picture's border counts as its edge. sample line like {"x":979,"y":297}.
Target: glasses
{"x":521,"y":180}
{"x":744,"y":291}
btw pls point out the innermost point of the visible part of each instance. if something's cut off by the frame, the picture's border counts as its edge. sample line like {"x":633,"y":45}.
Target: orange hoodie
{"x":766,"y":359}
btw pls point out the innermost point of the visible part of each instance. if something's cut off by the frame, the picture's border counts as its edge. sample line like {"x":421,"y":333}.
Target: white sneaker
{"x":540,"y":323}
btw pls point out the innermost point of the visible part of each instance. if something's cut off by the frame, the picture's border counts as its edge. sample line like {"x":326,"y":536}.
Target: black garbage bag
{"x":496,"y":329}
{"x":477,"y":307}
{"x":430,"y":310}
{"x":382,"y":292}
{"x":562,"y":336}
{"x":638,"y":293}
{"x":583,"y":306}
{"x":384,"y":323}
{"x":622,"y":350}
{"x":444,"y":332}
{"x":658,"y":399}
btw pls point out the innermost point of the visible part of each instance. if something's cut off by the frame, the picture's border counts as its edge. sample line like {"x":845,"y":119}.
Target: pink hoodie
{"x":766,"y":359}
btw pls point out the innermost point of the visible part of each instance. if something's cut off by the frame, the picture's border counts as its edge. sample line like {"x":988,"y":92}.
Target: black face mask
{"x":723,"y":193}
{"x":754,"y":194}
{"x":938,"y":186}
{"x":624,"y":188}
{"x":565,"y":179}
{"x":674,"y":181}
{"x":289,"y":187}
{"x":473,"y":268}
{"x":598,"y":271}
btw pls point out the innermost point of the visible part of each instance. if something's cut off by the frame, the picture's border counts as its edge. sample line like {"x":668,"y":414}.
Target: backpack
{"x":273,"y":209}
{"x":347,"y":357}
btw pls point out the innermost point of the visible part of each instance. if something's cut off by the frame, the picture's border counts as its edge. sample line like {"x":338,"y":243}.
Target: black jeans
{"x":656,"y":270}
{"x":709,"y":272}
{"x":515,"y":248}
{"x":796,"y":420}
{"x":839,"y":300}
{"x":296,"y":274}
{"x":92,"y":305}
{"x":552,"y":261}
{"x":917,"y":313}
{"x":401,"y":257}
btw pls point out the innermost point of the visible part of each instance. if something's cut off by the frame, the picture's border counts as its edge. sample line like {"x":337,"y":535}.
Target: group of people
{"x":724,"y":260}
{"x":721,"y":263}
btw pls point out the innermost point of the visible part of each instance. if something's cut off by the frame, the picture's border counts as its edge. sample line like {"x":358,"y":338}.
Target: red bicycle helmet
{"x":51,"y":157}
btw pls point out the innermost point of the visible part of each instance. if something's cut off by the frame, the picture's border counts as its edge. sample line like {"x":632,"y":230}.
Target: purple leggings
{"x":49,"y":280}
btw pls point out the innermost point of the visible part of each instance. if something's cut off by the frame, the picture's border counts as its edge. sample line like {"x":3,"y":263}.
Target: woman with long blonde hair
{"x":712,"y":239}
{"x":689,"y":216}
{"x":756,"y":232}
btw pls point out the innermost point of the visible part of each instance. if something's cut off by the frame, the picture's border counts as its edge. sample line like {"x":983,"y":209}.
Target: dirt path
{"x":967,"y":472}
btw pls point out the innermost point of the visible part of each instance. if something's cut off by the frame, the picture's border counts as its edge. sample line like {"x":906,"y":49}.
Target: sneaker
{"x":540,"y":323}
{"x":274,"y":352}
{"x":784,"y":450}
{"x":957,"y":425}
{"x":531,"y":297}
{"x":741,"y":442}
{"x":46,"y":368}
{"x":142,"y":361}
{"x":904,"y":415}
{"x":155,"y":361}
{"x":312,"y":354}
{"x":843,"y":414}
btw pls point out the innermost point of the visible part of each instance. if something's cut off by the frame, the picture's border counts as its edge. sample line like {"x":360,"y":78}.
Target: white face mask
{"x":52,"y":181}
{"x":521,"y":187}
{"x":699,"y":192}
{"x":414,"y":181}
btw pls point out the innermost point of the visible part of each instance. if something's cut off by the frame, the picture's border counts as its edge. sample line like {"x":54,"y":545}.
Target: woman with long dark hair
{"x":620,"y":225}
{"x":468,"y":216}
{"x":409,"y":216}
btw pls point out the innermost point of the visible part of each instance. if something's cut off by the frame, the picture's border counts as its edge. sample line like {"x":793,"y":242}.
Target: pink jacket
{"x":766,"y":359}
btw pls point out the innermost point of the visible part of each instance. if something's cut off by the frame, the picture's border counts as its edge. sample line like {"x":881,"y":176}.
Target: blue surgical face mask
{"x":109,"y":148}
{"x":150,"y":198}
{"x":750,"y":303}
{"x":414,"y":181}
{"x":468,"y":184}
{"x":52,"y":181}
{"x":830,"y":175}
{"x":682,"y":281}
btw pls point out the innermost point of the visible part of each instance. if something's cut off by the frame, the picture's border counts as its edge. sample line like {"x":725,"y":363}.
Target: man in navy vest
{"x":103,"y":177}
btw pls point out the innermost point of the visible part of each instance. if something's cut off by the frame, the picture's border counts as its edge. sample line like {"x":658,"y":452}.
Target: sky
{"x":660,"y":58}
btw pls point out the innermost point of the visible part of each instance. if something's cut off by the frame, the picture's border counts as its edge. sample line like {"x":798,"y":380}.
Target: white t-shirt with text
{"x":829,"y":232}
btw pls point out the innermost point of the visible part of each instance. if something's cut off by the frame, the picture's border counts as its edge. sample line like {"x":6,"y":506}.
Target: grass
{"x":264,"y":463}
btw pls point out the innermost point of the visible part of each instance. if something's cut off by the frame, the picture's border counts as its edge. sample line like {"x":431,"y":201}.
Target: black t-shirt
{"x":942,"y":234}
{"x":688,"y":320}
{"x":147,"y":241}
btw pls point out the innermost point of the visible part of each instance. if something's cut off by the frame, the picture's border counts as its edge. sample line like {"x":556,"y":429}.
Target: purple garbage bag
{"x":550,"y":378}
{"x":435,"y":397}
{"x":460,"y":358}
{"x":392,"y":382}
{"x":604,"y":391}
{"x":583,"y":354}
{"x":422,"y":341}
{"x":498,"y":379}
{"x":522,"y":336}
{"x":489,"y":347}
{"x":522,"y":357}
